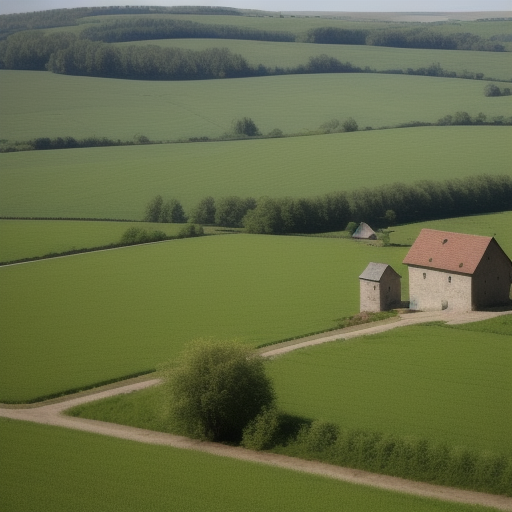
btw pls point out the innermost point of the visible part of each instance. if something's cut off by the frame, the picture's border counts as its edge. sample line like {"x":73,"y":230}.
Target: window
{"x":424,"y":275}
{"x":449,"y":279}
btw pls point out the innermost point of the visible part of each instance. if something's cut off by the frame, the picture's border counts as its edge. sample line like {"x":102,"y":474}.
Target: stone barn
{"x":380,"y":288}
{"x":457,"y":271}
{"x":365,"y":232}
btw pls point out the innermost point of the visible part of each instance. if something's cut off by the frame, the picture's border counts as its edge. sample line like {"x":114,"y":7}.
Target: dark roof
{"x":363,"y":231}
{"x":375,"y":271}
{"x":443,"y":250}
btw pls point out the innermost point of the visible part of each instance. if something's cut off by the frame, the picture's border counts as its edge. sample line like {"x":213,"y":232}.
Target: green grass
{"x":118,"y":182}
{"x":163,"y":110}
{"x":52,"y":469}
{"x":498,"y":325}
{"x":33,"y":238}
{"x":492,"y":64}
{"x":495,"y":224}
{"x":72,"y":322}
{"x":431,"y":382}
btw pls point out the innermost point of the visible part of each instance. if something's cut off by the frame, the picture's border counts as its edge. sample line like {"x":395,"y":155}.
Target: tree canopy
{"x":215,"y":389}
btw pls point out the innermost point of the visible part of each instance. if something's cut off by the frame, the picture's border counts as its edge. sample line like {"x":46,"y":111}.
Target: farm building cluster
{"x":447,"y":270}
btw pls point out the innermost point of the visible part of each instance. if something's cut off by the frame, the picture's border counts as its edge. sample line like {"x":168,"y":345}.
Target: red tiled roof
{"x":443,"y":250}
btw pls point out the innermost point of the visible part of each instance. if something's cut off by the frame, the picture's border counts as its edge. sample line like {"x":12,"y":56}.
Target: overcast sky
{"x":11,"y":6}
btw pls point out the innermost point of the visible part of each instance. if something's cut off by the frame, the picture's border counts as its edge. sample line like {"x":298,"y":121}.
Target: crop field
{"x":72,"y":322}
{"x":494,"y":224}
{"x":52,"y":469}
{"x":31,"y":238}
{"x":301,"y":24}
{"x":491,"y":64}
{"x":118,"y":182}
{"x":432,"y":382}
{"x":171,"y":110}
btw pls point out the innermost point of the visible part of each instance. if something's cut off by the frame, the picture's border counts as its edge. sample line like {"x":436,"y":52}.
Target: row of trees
{"x":65,"y":53}
{"x":403,"y":38}
{"x":11,"y":23}
{"x":382,"y":206}
{"x":141,"y":29}
{"x":494,"y":90}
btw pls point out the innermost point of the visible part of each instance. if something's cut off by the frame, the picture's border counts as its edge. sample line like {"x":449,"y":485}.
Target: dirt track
{"x":51,"y":414}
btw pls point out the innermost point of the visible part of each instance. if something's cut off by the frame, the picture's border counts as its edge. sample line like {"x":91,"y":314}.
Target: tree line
{"x":380,"y":207}
{"x":244,"y":128}
{"x":66,"y":54}
{"x":11,"y":23}
{"x":141,"y":29}
{"x":420,"y":37}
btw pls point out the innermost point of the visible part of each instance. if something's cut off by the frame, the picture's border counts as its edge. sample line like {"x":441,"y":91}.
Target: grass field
{"x":118,"y":182}
{"x":495,"y":224}
{"x":52,"y":469}
{"x":163,"y":110}
{"x":444,"y":384}
{"x":31,"y":238}
{"x":75,"y":321}
{"x":301,"y":24}
{"x":492,"y":64}
{"x":433,"y":382}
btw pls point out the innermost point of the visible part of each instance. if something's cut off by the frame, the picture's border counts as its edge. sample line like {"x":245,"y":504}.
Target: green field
{"x":32,"y":238}
{"x":52,"y":469}
{"x":434,"y":382}
{"x":118,"y":182}
{"x":170,"y":110}
{"x":75,"y":321}
{"x":492,"y":64}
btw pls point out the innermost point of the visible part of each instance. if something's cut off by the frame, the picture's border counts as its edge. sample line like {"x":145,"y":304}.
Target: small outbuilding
{"x":364,"y":232}
{"x":457,"y":271}
{"x":380,"y":288}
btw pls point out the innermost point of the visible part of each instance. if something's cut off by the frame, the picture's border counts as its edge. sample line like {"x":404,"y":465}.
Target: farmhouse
{"x":364,"y":231}
{"x":380,"y":288}
{"x":457,"y":271}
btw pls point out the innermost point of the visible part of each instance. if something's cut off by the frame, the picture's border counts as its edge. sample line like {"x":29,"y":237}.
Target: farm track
{"x":51,"y":414}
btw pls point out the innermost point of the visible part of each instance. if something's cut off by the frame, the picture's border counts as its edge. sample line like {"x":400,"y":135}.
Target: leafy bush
{"x":191,"y":230}
{"x":261,"y":433}
{"x":245,"y":127}
{"x":215,"y":389}
{"x":141,"y":236}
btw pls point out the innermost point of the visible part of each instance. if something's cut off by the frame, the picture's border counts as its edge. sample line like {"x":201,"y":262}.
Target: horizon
{"x":306,"y":6}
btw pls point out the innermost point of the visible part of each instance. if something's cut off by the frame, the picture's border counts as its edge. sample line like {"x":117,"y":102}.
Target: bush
{"x":215,"y":389}
{"x":245,"y":127}
{"x":261,"y":433}
{"x":492,"y":90}
{"x":190,"y":230}
{"x":318,"y":436}
{"x":351,"y":227}
{"x":141,"y":236}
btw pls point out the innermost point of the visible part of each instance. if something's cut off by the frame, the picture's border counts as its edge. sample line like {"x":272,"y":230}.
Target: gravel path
{"x":51,"y":414}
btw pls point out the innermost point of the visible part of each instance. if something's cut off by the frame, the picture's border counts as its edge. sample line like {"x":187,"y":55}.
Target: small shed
{"x":380,"y":288}
{"x":364,"y":232}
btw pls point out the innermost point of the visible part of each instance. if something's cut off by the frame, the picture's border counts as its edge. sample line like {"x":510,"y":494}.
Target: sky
{"x":12,"y":6}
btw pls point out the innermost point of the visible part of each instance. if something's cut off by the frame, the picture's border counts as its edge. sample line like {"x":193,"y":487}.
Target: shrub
{"x":190,"y":230}
{"x":261,"y":433}
{"x":215,"y":389}
{"x":318,"y":436}
{"x":245,"y":127}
